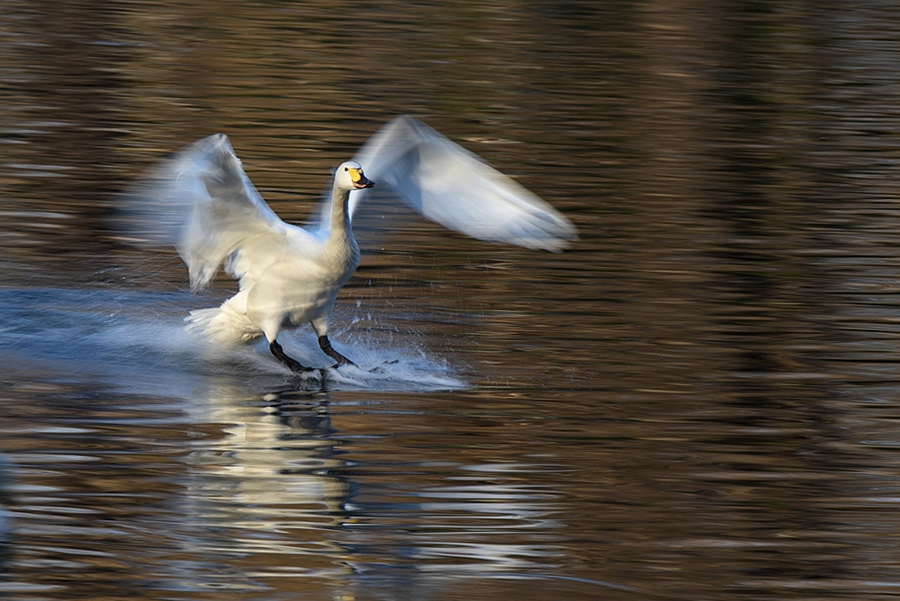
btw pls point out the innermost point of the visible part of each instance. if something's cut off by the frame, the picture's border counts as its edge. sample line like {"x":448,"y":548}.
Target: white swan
{"x":201,"y":201}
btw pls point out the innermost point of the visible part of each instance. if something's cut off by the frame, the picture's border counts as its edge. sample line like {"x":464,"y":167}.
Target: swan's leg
{"x":292,"y":363}
{"x":326,"y":347}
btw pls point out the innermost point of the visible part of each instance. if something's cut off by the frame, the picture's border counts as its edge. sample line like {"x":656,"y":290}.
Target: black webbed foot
{"x":326,"y":347}
{"x":294,"y":365}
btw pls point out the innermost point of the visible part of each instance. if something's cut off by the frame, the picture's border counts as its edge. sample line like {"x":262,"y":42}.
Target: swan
{"x":201,"y":201}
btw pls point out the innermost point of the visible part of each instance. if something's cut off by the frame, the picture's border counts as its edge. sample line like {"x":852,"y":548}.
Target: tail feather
{"x":222,"y":325}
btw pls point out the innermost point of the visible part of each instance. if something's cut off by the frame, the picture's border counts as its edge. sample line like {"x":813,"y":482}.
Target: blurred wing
{"x":454,"y":187}
{"x":201,"y":201}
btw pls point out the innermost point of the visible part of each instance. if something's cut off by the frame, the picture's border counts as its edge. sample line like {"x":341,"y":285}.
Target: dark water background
{"x":697,"y":401}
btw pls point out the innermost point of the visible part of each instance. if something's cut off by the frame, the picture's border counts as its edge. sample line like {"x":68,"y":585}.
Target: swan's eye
{"x":346,"y":168}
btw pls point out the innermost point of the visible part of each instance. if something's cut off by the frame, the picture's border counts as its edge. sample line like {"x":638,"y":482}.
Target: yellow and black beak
{"x":359,"y":179}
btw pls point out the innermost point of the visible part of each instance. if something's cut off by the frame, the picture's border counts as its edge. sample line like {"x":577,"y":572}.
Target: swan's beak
{"x":360,"y":181}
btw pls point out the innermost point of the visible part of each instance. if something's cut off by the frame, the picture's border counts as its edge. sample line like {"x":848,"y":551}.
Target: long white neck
{"x":340,"y":230}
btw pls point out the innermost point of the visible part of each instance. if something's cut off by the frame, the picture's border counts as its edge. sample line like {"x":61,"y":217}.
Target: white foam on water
{"x":137,"y":341}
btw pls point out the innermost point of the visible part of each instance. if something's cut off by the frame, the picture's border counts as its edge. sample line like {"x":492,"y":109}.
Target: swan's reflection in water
{"x":208,"y":477}
{"x":286,"y":493}
{"x":267,"y":486}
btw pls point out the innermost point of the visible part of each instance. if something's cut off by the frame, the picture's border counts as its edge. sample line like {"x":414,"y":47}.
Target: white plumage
{"x":201,"y":201}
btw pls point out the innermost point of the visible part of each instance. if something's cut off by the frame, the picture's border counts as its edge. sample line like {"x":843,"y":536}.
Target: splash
{"x":136,"y":341}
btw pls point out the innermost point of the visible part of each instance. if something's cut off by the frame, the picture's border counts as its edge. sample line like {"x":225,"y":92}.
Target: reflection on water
{"x":285,"y":469}
{"x":237,"y":481}
{"x":698,"y":401}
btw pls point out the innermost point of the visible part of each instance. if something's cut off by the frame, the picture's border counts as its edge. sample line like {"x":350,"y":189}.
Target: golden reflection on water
{"x":698,"y":400}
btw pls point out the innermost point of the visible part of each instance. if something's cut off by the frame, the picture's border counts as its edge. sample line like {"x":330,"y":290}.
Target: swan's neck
{"x":341,"y":232}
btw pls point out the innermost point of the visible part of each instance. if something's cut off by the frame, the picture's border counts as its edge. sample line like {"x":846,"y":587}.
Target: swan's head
{"x":350,"y":176}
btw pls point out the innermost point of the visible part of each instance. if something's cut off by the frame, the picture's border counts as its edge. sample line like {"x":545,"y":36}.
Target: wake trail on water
{"x":137,"y":340}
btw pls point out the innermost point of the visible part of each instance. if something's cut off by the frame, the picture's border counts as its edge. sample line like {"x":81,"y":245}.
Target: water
{"x":697,"y":401}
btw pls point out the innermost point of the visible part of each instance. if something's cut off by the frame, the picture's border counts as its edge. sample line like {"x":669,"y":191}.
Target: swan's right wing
{"x":201,"y":201}
{"x":454,"y":187}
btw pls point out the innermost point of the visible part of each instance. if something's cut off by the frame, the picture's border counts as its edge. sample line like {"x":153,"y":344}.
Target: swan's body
{"x":202,"y":201}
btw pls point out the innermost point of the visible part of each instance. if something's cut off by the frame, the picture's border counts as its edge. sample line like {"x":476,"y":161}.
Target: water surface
{"x":696,"y":401}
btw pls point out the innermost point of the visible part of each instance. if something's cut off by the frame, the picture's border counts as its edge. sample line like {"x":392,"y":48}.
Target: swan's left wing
{"x":454,"y":187}
{"x":201,"y":201}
